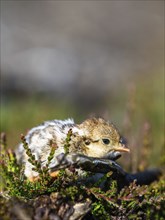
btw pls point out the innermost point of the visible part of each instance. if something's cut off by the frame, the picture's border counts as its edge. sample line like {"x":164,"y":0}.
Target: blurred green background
{"x":141,"y":102}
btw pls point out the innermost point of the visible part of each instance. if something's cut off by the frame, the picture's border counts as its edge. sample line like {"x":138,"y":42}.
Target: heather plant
{"x":47,"y":197}
{"x":15,"y":182}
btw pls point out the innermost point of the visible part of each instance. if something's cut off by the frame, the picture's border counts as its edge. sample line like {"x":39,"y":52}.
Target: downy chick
{"x":94,"y":137}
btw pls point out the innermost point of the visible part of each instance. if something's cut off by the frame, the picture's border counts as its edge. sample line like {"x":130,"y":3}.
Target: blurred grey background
{"x":79,"y":48}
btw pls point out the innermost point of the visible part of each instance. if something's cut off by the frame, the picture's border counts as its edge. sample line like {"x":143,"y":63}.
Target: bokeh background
{"x":78,"y":59}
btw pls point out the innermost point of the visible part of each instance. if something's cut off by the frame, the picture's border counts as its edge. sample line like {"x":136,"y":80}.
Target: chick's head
{"x":102,"y":139}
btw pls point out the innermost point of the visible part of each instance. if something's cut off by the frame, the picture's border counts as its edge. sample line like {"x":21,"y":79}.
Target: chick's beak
{"x":121,"y":148}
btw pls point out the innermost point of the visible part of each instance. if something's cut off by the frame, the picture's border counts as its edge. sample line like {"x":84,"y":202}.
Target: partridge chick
{"x":94,"y":137}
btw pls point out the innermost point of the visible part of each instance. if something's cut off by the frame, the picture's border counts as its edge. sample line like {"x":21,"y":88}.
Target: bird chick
{"x":94,"y":137}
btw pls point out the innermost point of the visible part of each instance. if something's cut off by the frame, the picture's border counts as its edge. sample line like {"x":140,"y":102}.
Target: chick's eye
{"x":106,"y":141}
{"x":87,"y":142}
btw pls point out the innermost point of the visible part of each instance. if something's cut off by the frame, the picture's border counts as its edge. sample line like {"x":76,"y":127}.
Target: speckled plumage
{"x":87,"y":139}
